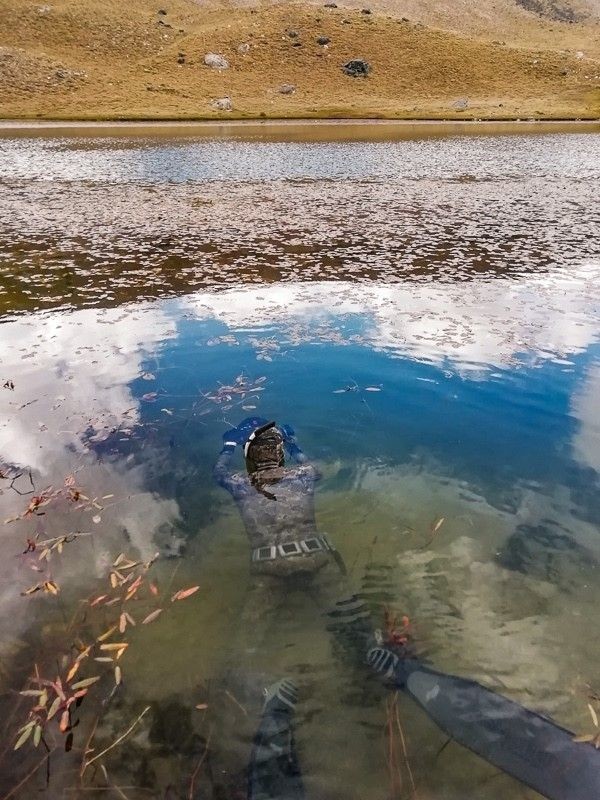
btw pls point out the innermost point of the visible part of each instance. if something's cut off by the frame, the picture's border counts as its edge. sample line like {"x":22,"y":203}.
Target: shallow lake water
{"x":425,"y":314}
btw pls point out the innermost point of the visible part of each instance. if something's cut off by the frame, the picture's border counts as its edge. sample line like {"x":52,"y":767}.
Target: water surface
{"x":449,"y":286}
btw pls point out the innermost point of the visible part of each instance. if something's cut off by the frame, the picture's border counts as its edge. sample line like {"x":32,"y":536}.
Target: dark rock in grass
{"x":293,"y":34}
{"x":366,"y":11}
{"x":357,"y":68}
{"x":330,"y":5}
{"x":181,"y":58}
{"x":323,"y":40}
{"x":287,"y":88}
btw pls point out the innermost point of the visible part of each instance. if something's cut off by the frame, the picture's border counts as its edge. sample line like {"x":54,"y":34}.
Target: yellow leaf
{"x":584,"y":737}
{"x":106,"y":634}
{"x":114,"y":646}
{"x":37,"y":735}
{"x":118,"y":675}
{"x":593,"y":714}
{"x":151,"y":617}
{"x":72,"y":671}
{"x":201,"y":706}
{"x":122,"y":623}
{"x":54,"y":707}
{"x":438,"y":525}
{"x":23,"y":738}
{"x":85,"y":683}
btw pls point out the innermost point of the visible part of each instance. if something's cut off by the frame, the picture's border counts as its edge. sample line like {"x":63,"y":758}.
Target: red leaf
{"x":183,"y":593}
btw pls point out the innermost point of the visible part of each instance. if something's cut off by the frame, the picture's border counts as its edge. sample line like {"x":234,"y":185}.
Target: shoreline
{"x":334,"y":128}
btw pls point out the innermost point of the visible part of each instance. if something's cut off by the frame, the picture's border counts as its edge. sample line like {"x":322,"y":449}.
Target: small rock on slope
{"x":357,"y":68}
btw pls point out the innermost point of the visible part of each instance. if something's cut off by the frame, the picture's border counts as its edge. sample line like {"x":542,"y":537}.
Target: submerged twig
{"x":197,"y":767}
{"x":116,"y":742}
{"x":237,"y":702}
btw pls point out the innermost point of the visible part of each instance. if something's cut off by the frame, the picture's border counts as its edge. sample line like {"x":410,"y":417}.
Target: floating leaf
{"x":31,"y":692}
{"x":71,"y":673}
{"x":54,"y":707}
{"x":584,"y":737}
{"x":23,"y":737}
{"x":150,"y":397}
{"x":153,"y":588}
{"x":85,"y":683}
{"x":593,"y":714}
{"x":37,"y":735}
{"x":31,"y":590}
{"x":97,"y":600}
{"x":104,"y":659}
{"x":96,"y":519}
{"x":372,"y":388}
{"x":118,"y":675}
{"x":64,"y":721}
{"x":167,"y":411}
{"x":438,"y":524}
{"x":106,"y":634}
{"x":118,"y":559}
{"x":51,"y":587}
{"x":114,"y":646}
{"x":183,"y":593}
{"x":122,"y":623}
{"x":151,"y":617}
{"x":201,"y":706}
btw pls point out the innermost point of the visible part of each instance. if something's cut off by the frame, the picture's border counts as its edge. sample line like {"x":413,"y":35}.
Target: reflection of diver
{"x":277,"y":506}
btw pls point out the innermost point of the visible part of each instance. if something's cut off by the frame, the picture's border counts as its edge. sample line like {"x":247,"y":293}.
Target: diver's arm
{"x":221,"y":471}
{"x":291,"y":445}
{"x":530,"y":747}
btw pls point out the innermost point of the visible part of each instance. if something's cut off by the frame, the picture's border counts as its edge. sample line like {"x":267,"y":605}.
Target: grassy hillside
{"x":145,"y":59}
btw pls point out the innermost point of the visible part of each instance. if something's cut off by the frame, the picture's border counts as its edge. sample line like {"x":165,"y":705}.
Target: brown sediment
{"x":82,"y":59}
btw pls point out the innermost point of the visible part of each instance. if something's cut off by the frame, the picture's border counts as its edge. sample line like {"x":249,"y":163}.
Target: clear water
{"x":458,"y":277}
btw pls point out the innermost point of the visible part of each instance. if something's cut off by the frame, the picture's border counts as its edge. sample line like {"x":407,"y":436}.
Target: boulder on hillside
{"x":357,"y":68}
{"x":222,"y":104}
{"x":216,"y":61}
{"x":461,"y":104}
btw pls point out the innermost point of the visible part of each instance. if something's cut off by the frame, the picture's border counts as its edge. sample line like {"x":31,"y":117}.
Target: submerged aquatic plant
{"x":58,"y":698}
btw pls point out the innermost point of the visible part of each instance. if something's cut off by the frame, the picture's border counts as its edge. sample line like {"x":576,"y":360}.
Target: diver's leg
{"x":526,"y":745}
{"x":274,"y":771}
{"x":265,"y":596}
{"x":236,"y":691}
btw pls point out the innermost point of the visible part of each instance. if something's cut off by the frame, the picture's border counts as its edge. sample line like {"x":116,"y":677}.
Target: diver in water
{"x":276,"y":503}
{"x":277,"y":506}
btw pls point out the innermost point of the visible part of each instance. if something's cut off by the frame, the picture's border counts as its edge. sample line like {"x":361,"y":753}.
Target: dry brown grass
{"x":108,"y":59}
